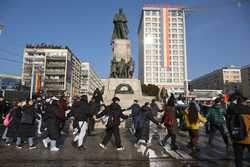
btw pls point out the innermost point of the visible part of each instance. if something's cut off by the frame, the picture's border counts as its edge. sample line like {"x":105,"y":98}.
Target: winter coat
{"x":114,"y":113}
{"x":98,"y":96}
{"x":52,"y":122}
{"x":194,"y":126}
{"x":38,"y":106}
{"x":26,"y":130}
{"x":82,"y":112}
{"x":170,"y":117}
{"x":155,"y":109}
{"x":216,"y":115}
{"x":16,"y":116}
{"x":62,"y":109}
{"x":244,"y":111}
{"x":135,"y":109}
{"x":3,"y":109}
{"x":93,"y":108}
{"x":146,"y":115}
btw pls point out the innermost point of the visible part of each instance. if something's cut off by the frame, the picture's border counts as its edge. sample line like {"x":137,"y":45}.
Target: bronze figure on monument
{"x":122,"y":64}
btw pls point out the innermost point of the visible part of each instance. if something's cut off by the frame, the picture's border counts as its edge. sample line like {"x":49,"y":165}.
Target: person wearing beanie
{"x":114,"y":114}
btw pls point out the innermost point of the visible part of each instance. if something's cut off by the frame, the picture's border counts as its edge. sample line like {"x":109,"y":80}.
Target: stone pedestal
{"x":126,"y":89}
{"x":113,"y":85}
{"x":121,"y":48}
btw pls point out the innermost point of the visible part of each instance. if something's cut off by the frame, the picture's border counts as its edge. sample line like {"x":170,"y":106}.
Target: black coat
{"x":16,"y":116}
{"x":93,"y":108}
{"x":52,"y":122}
{"x":114,"y":113}
{"x":82,"y":111}
{"x":28,"y":130}
{"x":3,"y":109}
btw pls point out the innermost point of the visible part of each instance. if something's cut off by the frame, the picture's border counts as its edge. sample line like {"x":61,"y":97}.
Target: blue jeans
{"x":30,"y":141}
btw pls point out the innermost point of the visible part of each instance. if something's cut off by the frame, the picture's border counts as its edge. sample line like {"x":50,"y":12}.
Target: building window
{"x":147,"y":13}
{"x":155,"y":13}
{"x":174,"y":30}
{"x":181,"y":36}
{"x":180,"y":25}
{"x":174,"y":35}
{"x":180,"y":13}
{"x":180,"y":30}
{"x":154,"y":25}
{"x":173,"y":13}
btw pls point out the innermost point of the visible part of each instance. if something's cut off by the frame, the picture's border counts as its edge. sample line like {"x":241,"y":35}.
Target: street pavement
{"x":94,"y":156}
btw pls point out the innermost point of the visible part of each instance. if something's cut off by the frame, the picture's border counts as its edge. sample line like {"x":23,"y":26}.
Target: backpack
{"x":7,"y":120}
{"x":238,"y":128}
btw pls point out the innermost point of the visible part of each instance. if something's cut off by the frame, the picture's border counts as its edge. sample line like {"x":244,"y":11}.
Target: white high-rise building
{"x":162,"y":47}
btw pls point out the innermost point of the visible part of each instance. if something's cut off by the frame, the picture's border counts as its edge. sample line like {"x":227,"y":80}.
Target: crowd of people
{"x":45,"y":118}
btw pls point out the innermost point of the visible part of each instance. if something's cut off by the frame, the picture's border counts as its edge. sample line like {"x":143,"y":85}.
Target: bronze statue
{"x":120,"y":26}
{"x":114,"y":68}
{"x":121,"y":68}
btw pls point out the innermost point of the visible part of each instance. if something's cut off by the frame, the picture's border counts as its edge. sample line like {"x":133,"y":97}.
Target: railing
{"x":54,"y":80}
{"x":55,"y":87}
{"x":55,"y":72}
{"x":56,"y":64}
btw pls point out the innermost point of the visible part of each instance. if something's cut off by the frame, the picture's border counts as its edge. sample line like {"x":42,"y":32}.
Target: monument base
{"x":127,"y":90}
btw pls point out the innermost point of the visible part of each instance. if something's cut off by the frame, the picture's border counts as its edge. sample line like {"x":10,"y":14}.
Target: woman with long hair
{"x":193,"y":119}
{"x":170,"y":122}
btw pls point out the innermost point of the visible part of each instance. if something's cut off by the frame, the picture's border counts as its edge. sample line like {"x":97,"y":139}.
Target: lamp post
{"x":1,"y":29}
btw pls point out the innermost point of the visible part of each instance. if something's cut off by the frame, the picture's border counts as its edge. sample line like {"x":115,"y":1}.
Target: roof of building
{"x":226,"y":67}
{"x":246,"y":66}
{"x":163,"y":5}
{"x":10,"y":76}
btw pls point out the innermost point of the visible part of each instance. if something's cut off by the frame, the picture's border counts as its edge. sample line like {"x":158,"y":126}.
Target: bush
{"x":150,"y":90}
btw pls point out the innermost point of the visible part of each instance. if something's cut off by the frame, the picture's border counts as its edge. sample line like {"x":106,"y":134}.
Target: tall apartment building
{"x":227,"y":79}
{"x":162,"y":47}
{"x":53,"y":70}
{"x":245,"y":76}
{"x":89,"y":79}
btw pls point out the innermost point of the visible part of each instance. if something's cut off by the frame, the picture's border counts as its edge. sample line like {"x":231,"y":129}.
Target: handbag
{"x":7,"y":120}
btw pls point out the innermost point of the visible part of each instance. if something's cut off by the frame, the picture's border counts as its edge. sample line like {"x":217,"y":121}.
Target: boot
{"x":53,"y":146}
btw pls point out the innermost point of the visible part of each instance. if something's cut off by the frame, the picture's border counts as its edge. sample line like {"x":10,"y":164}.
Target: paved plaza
{"x":93,"y":155}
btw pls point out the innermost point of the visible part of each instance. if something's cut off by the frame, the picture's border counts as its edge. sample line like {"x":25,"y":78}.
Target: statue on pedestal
{"x":120,"y":26}
{"x":122,"y":65}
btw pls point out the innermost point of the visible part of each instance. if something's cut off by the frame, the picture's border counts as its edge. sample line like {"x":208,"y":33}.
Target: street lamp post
{"x":1,"y":29}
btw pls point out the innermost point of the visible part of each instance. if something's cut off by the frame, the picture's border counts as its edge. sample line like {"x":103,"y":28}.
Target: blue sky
{"x":218,"y":32}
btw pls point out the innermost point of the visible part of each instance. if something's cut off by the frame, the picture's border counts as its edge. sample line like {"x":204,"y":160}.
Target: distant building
{"x":55,"y":70}
{"x":227,"y":79}
{"x":162,"y":47}
{"x":89,"y":80}
{"x":10,"y":82}
{"x":245,"y":76}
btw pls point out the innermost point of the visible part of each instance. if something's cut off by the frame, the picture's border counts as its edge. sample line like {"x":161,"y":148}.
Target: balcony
{"x":56,"y":64}
{"x":56,"y":72}
{"x":49,"y":58}
{"x":54,"y":80}
{"x":55,"y":87}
